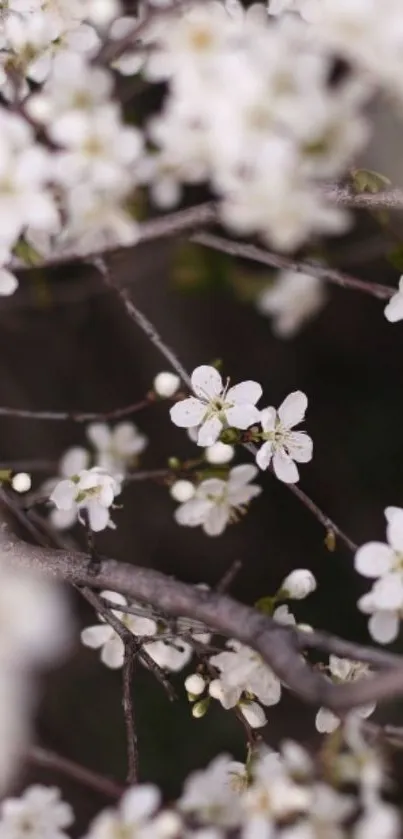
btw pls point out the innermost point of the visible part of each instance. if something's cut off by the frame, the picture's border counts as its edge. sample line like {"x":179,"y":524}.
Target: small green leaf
{"x":366,"y":180}
{"x":24,"y":251}
{"x":266,"y":605}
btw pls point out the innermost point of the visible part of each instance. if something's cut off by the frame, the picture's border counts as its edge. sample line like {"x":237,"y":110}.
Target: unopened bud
{"x":195,"y":684}
{"x":298,"y":584}
{"x":200,"y":708}
{"x":182,"y":491}
{"x":219,"y":453}
{"x":166,"y":384}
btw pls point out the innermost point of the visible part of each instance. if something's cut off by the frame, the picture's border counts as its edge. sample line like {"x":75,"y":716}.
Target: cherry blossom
{"x":282,"y":445}
{"x":343,"y":670}
{"x":292,"y":300}
{"x":212,"y":794}
{"x":216,"y":406}
{"x":39,"y":812}
{"x":91,"y":493}
{"x":217,"y":502}
{"x":383,"y":563}
{"x":172,"y":655}
{"x":394,"y":309}
{"x":136,"y":816}
{"x":117,"y":448}
{"x":243,"y":671}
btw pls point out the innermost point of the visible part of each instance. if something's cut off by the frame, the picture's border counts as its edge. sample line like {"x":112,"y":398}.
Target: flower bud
{"x":253,"y":713}
{"x":21,"y":482}
{"x":200,"y":708}
{"x":195,"y":684}
{"x":182,"y":491}
{"x":219,"y":453}
{"x":298,"y":584}
{"x":166,"y":384}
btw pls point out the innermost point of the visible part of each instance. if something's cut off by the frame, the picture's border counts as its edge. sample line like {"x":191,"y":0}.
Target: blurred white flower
{"x":182,"y":491}
{"x":117,"y":448}
{"x":217,"y":502}
{"x":219,"y":453}
{"x":136,"y":816}
{"x":243,"y":671}
{"x":292,"y":300}
{"x":39,"y":812}
{"x":343,"y":670}
{"x":211,"y":795}
{"x":394,"y":309}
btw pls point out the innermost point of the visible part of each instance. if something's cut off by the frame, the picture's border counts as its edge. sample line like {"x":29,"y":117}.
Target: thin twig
{"x":322,"y":517}
{"x":242,"y":250}
{"x":140,"y":319}
{"x":129,"y":715}
{"x":86,"y":777}
{"x":77,"y":416}
{"x":345,"y":196}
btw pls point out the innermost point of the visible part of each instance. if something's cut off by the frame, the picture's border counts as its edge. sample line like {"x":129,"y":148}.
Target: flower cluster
{"x":214,"y":409}
{"x":291,"y":300}
{"x":114,"y":451}
{"x":38,"y":813}
{"x":172,"y":654}
{"x":251,"y":110}
{"x":343,"y":670}
{"x":384,"y":564}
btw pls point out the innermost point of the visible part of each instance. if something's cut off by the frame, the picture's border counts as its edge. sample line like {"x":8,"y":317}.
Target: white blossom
{"x":91,"y":492}
{"x":166,"y":384}
{"x":253,"y":713}
{"x":241,"y":670}
{"x":8,"y":282}
{"x":182,"y":491}
{"x":21,"y":482}
{"x":117,"y":448}
{"x":136,"y":816}
{"x":217,"y":502}
{"x":171,"y":655}
{"x":212,"y":794}
{"x":282,"y":445}
{"x":39,"y":813}
{"x":299,"y":583}
{"x":216,"y":405}
{"x":384,"y":564}
{"x":343,"y":670}
{"x":292,"y":300}
{"x":394,"y":309}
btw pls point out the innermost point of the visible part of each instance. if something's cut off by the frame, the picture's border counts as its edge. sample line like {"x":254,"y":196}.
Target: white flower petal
{"x":374,"y":559}
{"x":138,"y":803}
{"x":209,"y":432}
{"x":292,"y":411}
{"x":241,"y":475}
{"x":387,"y":592}
{"x":300,"y":446}
{"x":216,"y":520}
{"x":98,"y":516}
{"x":8,"y":282}
{"x":242,"y":416}
{"x":193,"y":513}
{"x":326,"y":721}
{"x":268,"y":419}
{"x":113,"y":653}
{"x":74,"y":461}
{"x":394,"y":531}
{"x":284,"y":467}
{"x":96,"y":636}
{"x":384,"y":627}
{"x":63,"y":495}
{"x":246,"y":392}
{"x":99,"y":435}
{"x":188,"y":412}
{"x":264,"y":455}
{"x":394,"y":309}
{"x":206,"y":382}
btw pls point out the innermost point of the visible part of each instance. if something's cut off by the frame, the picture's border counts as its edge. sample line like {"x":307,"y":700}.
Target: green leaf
{"x":366,"y":180}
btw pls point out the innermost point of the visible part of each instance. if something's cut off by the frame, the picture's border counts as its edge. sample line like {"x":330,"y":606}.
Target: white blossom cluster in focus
{"x":172,"y":654}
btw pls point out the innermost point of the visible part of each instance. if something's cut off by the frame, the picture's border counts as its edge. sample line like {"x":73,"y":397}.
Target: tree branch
{"x":390,"y":199}
{"x":242,"y":250}
{"x":86,"y":777}
{"x":279,"y":646}
{"x":77,"y":416}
